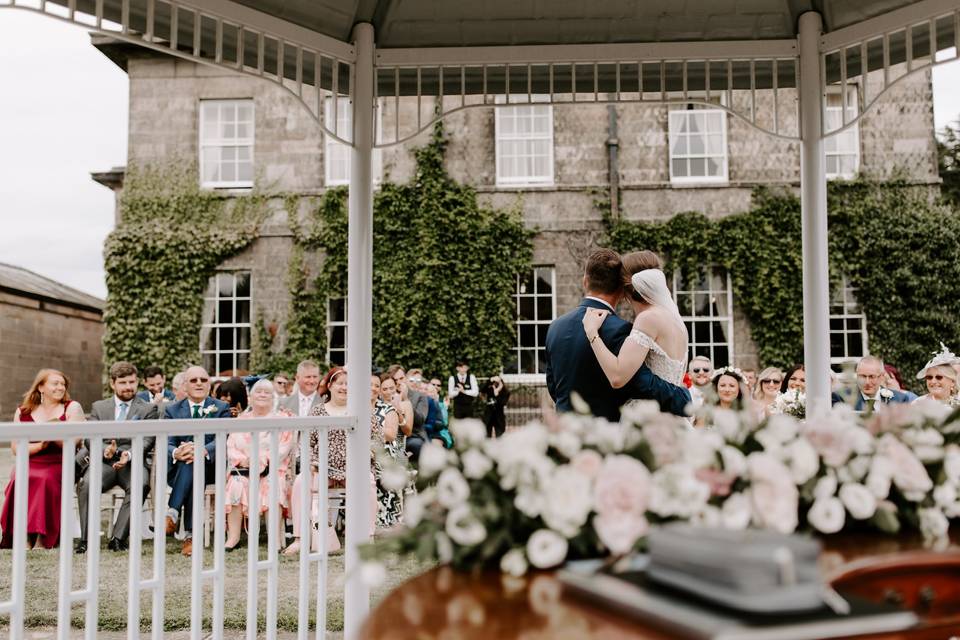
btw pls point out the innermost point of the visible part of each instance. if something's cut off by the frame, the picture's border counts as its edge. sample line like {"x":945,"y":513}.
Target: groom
{"x":571,"y":364}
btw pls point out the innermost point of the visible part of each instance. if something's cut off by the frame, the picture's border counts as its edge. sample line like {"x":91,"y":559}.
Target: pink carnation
{"x":621,"y":494}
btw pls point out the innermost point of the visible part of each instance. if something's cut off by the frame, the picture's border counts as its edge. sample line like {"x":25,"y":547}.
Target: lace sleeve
{"x":643,"y":339}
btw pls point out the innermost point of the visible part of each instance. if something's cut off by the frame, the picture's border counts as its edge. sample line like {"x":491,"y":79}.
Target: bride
{"x":659,"y":336}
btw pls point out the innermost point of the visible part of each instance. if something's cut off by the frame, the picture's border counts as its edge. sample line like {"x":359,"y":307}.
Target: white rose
{"x":394,"y":477}
{"x":708,"y":517}
{"x":475,"y":464}
{"x":736,"y":512}
{"x":639,"y":411}
{"x":933,"y":524}
{"x":727,"y":423}
{"x":860,"y":440}
{"x":568,"y":501}
{"x":700,"y":447}
{"x":566,"y":442}
{"x":951,"y":463}
{"x":463,"y":527}
{"x":734,"y":462}
{"x":452,"y":489}
{"x":826,"y":515}
{"x":803,"y":460}
{"x":782,"y":428}
{"x":826,"y":487}
{"x":433,"y":458}
{"x":880,"y":477}
{"x":676,"y":491}
{"x":858,"y":500}
{"x":858,"y":467}
{"x":414,"y":506}
{"x":529,"y":502}
{"x":514,"y":562}
{"x":546,"y":549}
{"x":945,"y":495}
{"x":467,"y":432}
{"x":606,"y":436}
{"x":444,"y":548}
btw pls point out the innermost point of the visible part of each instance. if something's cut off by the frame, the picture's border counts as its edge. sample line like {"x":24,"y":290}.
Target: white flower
{"x":676,"y":491}
{"x":444,"y":548}
{"x":858,"y":467}
{"x":467,"y":432}
{"x":475,"y":464}
{"x":951,"y":463}
{"x":860,"y":440}
{"x":880,"y":477}
{"x":373,"y":574}
{"x":858,"y":500}
{"x":529,"y":502}
{"x":639,"y":411}
{"x":535,"y":472}
{"x":433,"y":458}
{"x":945,"y":495}
{"x":587,"y":462}
{"x":727,"y":423}
{"x":909,"y":474}
{"x":452,"y":489}
{"x":933,"y":524}
{"x":736,"y":512}
{"x":521,"y":456}
{"x":708,"y":517}
{"x":463,"y":527}
{"x":394,"y":477}
{"x":826,"y":487}
{"x":826,"y":515}
{"x":782,"y":428}
{"x":802,"y":459}
{"x":734,"y":462}
{"x":927,"y":444}
{"x":699,"y":447}
{"x":886,"y":394}
{"x":606,"y":436}
{"x":414,"y":506}
{"x":546,"y":549}
{"x":514,"y":563}
{"x":565,"y":441}
{"x":568,"y":501}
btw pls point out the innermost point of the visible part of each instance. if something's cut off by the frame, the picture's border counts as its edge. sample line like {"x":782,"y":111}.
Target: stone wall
{"x":35,"y":335}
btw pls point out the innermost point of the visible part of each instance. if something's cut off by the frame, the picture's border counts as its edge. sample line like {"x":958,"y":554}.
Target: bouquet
{"x":793,"y":402}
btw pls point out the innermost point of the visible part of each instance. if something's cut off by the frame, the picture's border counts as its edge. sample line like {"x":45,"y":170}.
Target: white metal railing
{"x":96,"y":432}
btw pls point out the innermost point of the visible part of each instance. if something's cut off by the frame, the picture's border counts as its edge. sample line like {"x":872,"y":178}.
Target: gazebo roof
{"x":446,"y":23}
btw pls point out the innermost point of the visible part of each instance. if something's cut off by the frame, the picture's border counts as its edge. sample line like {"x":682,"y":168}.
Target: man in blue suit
{"x":573,"y":368}
{"x":870,"y":390}
{"x":181,"y":451}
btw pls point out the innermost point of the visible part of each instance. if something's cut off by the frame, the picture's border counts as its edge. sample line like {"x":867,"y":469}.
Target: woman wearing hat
{"x":940,"y":376}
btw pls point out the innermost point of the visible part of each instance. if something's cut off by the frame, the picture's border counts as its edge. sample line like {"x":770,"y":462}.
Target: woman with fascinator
{"x":940,"y":377}
{"x":659,"y":337}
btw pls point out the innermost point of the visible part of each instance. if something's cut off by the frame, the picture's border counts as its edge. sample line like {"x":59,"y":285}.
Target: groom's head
{"x":602,"y":276}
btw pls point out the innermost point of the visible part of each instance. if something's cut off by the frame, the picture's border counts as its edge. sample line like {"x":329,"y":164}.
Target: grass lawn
{"x":41,"y":589}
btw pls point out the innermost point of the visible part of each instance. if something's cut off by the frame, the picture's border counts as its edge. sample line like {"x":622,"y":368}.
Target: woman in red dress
{"x":47,"y":401}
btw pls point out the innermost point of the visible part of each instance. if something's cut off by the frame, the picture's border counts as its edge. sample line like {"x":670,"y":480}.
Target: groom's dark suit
{"x":573,"y":367}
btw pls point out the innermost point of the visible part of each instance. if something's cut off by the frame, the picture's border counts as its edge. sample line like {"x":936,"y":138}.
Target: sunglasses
{"x":198,"y":380}
{"x":936,"y":377}
{"x":771,"y":381}
{"x":436,"y":384}
{"x":698,"y":370}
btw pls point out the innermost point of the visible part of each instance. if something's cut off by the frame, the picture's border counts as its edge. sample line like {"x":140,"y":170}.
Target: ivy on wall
{"x":169,"y":240}
{"x":900,"y":250}
{"x":444,"y":273}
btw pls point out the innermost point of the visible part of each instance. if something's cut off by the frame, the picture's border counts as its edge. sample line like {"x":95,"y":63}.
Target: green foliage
{"x":948,"y":160}
{"x":170,"y":239}
{"x":444,"y":274}
{"x":897,"y":248}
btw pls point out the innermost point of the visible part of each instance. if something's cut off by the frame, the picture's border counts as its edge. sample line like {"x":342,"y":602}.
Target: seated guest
{"x":749,"y":380}
{"x":179,"y":386}
{"x":941,"y":377}
{"x":239,"y":449}
{"x":444,"y":403}
{"x":47,"y":400}
{"x":281,"y":388}
{"x":397,"y":447}
{"x":302,"y":401}
{"x":766,"y":392}
{"x":433,"y":424}
{"x":795,"y":378}
{"x":234,"y":393}
{"x":419,"y":406}
{"x":893,"y":380}
{"x":333,"y":387}
{"x":871,"y":392}
{"x":154,"y":381}
{"x":389,"y":503}
{"x":116,"y":462}
{"x":180,"y":451}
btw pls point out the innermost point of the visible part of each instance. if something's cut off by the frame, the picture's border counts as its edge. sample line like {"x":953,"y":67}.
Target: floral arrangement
{"x":792,"y":402}
{"x":584,"y":487}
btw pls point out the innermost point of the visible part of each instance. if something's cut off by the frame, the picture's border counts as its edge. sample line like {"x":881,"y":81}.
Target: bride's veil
{"x":651,"y":284}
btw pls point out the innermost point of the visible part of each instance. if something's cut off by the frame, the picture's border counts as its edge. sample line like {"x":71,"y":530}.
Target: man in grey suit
{"x":117,"y":453}
{"x":302,"y":402}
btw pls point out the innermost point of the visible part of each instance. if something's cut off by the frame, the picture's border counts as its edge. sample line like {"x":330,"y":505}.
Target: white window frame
{"x":725,"y":320}
{"x":673,"y":132}
{"x":841,"y":302}
{"x":331,"y":324}
{"x":221,"y":143}
{"x":836,"y":111}
{"x":345,"y":131}
{"x":212,"y":329}
{"x":523,"y":181}
{"x":515,"y":353}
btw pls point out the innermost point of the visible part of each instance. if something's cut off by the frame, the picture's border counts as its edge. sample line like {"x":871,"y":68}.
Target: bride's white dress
{"x":662,"y":365}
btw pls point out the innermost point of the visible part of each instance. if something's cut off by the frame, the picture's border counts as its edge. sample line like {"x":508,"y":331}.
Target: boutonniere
{"x":886,"y":394}
{"x":208,"y":411}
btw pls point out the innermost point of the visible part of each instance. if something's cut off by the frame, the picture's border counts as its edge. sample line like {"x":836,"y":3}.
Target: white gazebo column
{"x":813,"y":205}
{"x":360,"y":332}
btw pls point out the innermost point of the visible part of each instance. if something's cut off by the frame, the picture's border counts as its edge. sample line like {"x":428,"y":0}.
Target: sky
{"x":63,"y":114}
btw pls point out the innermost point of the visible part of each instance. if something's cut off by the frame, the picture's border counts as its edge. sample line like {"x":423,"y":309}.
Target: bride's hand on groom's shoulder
{"x":593,"y":319}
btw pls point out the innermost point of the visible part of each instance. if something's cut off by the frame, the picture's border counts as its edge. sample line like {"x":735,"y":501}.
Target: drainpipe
{"x":613,"y":161}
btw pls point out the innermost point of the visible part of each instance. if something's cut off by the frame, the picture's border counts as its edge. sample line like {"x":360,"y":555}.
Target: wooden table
{"x":450,"y":605}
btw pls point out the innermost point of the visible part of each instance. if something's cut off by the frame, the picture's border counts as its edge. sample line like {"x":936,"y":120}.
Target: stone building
{"x":651,"y":161}
{"x":44,"y":324}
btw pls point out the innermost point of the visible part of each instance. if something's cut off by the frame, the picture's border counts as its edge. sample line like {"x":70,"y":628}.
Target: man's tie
{"x":196,"y":411}
{"x":871,"y":404}
{"x":123,"y":411}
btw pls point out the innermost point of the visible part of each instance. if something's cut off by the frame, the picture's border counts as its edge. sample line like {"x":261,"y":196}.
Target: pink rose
{"x":587,"y":462}
{"x":773,"y":495}
{"x":830,"y":441}
{"x":909,"y":474}
{"x":619,"y":532}
{"x":664,"y":441}
{"x":719,"y":481}
{"x":621,"y":494}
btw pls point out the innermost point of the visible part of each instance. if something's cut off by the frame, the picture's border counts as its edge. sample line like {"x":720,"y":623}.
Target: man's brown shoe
{"x":187,"y":547}
{"x":171,"y":526}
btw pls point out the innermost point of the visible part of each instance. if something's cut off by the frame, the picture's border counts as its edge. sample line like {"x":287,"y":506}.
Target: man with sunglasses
{"x":871,"y":394}
{"x":701,"y":372}
{"x":181,"y":450}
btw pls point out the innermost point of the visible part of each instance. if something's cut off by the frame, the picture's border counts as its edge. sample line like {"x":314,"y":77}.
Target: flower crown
{"x":728,"y":371}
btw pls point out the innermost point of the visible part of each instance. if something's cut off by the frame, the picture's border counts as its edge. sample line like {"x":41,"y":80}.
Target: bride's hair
{"x":634,"y":262}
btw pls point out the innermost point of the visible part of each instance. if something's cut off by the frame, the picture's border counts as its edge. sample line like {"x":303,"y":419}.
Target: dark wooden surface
{"x":450,"y":605}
